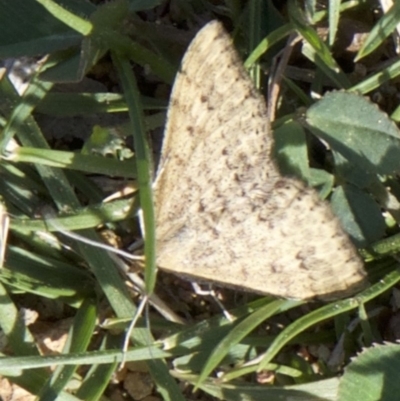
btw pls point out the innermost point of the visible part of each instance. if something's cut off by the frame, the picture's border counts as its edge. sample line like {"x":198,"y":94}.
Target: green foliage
{"x":372,"y":375}
{"x":326,"y":132}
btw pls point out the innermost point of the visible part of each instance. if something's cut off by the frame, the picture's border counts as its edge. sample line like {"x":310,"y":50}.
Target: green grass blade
{"x":334,"y":15}
{"x":376,"y":80}
{"x":74,"y":161}
{"x":321,"y":54}
{"x":79,"y":337}
{"x":79,"y":219}
{"x":240,"y":331}
{"x":327,"y":312}
{"x":21,"y":107}
{"x":159,"y":371}
{"x":273,"y":38}
{"x":143,"y":165}
{"x":14,"y":365}
{"x":98,"y":376}
{"x":72,"y":20}
{"x":382,"y":29}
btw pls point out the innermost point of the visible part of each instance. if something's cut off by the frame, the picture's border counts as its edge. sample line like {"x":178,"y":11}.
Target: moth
{"x":223,"y":211}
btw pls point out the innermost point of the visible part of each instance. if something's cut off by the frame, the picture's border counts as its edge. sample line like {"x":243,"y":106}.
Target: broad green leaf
{"x":356,"y":128}
{"x":359,"y":214}
{"x":352,"y":172}
{"x":373,"y":375}
{"x":290,"y":150}
{"x":321,"y":180}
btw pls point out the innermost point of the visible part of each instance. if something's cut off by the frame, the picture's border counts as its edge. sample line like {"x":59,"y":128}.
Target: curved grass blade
{"x":327,"y":312}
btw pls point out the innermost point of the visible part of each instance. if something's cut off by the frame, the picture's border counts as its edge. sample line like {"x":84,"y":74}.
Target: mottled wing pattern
{"x":223,"y":212}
